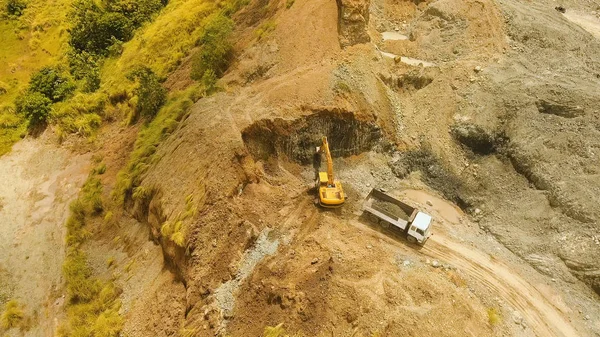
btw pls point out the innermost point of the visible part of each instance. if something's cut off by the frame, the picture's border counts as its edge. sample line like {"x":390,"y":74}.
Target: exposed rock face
{"x":353,"y":19}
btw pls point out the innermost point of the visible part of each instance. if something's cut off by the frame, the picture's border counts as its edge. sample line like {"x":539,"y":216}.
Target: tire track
{"x":541,"y":315}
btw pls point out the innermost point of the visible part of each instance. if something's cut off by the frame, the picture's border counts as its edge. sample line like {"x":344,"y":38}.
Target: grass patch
{"x":93,"y":305}
{"x":187,"y":332}
{"x":342,"y":87}
{"x":275,"y":331}
{"x":151,"y":135}
{"x":12,"y":316}
{"x":494,"y":316}
{"x":176,"y":229}
{"x":265,"y":29}
{"x":12,"y":128}
{"x":31,"y":40}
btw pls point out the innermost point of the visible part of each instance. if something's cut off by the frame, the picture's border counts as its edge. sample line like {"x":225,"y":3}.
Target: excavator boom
{"x":330,"y":180}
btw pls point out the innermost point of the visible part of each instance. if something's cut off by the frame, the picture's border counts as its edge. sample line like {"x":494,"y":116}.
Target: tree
{"x":151,"y":94}
{"x":85,"y":66}
{"x":15,"y":7}
{"x":95,"y":29}
{"x":35,"y":107}
{"x":215,"y":54}
{"x":138,"y":11}
{"x":51,"y":83}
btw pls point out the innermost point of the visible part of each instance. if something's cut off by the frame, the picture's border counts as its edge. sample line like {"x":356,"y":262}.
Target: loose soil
{"x":39,"y":179}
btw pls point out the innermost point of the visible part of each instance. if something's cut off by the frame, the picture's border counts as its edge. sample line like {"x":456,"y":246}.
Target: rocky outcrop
{"x":353,"y":19}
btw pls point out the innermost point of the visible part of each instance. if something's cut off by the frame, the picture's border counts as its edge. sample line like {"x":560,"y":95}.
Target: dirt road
{"x":539,"y":312}
{"x":546,"y":316}
{"x":38,"y":182}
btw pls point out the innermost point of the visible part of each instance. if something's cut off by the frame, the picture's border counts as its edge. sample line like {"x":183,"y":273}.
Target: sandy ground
{"x":38,"y":181}
{"x":500,"y":275}
{"x":239,"y":154}
{"x":589,"y":22}
{"x":260,"y":253}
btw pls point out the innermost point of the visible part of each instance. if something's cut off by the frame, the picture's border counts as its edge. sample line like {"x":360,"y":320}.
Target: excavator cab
{"x":331,"y":193}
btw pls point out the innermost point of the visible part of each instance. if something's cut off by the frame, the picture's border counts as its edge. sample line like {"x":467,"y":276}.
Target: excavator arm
{"x":330,"y":180}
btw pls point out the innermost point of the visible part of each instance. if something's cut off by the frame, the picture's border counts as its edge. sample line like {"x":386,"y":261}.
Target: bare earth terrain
{"x":483,"y":113}
{"x":38,"y":181}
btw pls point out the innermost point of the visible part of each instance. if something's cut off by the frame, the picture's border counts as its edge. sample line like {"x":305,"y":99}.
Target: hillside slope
{"x":243,"y":157}
{"x":198,"y":217}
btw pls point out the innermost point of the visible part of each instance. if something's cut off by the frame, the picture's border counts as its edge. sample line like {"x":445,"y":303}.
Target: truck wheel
{"x":384,"y":224}
{"x":373,"y":218}
{"x":411,"y":239}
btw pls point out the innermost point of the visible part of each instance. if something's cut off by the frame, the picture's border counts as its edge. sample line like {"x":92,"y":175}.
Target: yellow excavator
{"x":331,"y":194}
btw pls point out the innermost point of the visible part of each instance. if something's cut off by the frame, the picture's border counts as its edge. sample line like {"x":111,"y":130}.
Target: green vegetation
{"x":15,"y":7}
{"x":34,"y":106}
{"x":85,"y":66}
{"x":47,"y":86}
{"x":149,"y":93}
{"x":176,"y":230}
{"x":12,"y":316}
{"x":494,"y":316}
{"x":50,"y":82}
{"x":275,"y":331}
{"x":265,"y":29}
{"x":12,"y":128}
{"x":101,"y":43}
{"x":82,"y":114}
{"x":144,"y":152}
{"x":216,"y":49}
{"x":95,"y":28}
{"x":93,"y":307}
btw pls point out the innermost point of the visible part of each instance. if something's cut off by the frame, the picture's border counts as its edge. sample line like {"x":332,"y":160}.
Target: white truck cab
{"x":420,"y":228}
{"x":389,"y":211}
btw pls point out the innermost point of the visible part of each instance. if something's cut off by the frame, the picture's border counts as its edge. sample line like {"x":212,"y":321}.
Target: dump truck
{"x":388,"y":211}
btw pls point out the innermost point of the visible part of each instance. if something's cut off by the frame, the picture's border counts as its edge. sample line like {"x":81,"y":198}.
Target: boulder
{"x":353,"y":19}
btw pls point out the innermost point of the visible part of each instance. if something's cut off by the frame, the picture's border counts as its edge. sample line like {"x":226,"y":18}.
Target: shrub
{"x":81,"y":114}
{"x":81,"y":287}
{"x":93,"y":28}
{"x":209,"y":80}
{"x":34,"y":106}
{"x":15,"y":7}
{"x":96,"y":29}
{"x":265,"y":29}
{"x":137,"y":11}
{"x":51,"y":83}
{"x":92,"y":196}
{"x":493,"y":316}
{"x":12,"y":315}
{"x":150,"y":93}
{"x":215,"y":54}
{"x":85,"y":66}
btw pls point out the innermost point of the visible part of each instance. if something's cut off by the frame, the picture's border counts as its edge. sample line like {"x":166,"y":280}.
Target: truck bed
{"x":388,"y":208}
